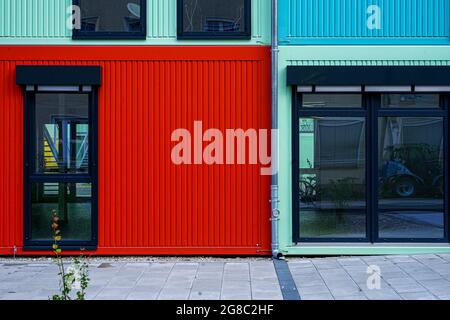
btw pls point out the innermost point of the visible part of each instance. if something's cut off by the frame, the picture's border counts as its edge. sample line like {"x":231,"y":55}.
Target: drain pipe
{"x":274,"y":199}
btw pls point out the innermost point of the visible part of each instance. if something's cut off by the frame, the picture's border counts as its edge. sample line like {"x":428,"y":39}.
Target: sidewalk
{"x":402,"y":277}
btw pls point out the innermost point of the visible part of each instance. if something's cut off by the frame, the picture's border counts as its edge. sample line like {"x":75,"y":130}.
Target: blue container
{"x":364,"y":22}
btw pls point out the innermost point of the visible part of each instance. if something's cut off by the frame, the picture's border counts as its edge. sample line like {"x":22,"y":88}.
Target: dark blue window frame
{"x":211,"y":35}
{"x":131,"y":35}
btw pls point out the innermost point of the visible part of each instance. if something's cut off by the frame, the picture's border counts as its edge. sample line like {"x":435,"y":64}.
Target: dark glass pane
{"x":62,"y":133}
{"x":70,"y":201}
{"x":412,"y":101}
{"x":332,"y":101}
{"x":332,"y":178}
{"x":411,"y":177}
{"x":110,"y":15}
{"x":214,"y":16}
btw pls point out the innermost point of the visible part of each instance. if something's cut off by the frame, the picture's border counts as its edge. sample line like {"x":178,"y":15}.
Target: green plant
{"x":75,"y":276}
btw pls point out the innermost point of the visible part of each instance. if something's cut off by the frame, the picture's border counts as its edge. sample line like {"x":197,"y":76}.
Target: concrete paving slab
{"x":403,"y":277}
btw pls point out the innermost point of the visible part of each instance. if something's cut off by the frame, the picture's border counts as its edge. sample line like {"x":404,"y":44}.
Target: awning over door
{"x":370,"y":77}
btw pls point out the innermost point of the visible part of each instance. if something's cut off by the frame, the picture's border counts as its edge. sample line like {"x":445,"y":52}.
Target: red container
{"x":147,"y":205}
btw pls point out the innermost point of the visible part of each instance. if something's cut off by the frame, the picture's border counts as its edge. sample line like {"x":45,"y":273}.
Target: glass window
{"x":60,"y":176}
{"x":332,"y":178}
{"x":61,"y":133}
{"x":111,"y":18}
{"x":410,"y":101}
{"x":71,"y":202}
{"x":411,"y":177}
{"x":214,"y":18}
{"x":332,"y":101}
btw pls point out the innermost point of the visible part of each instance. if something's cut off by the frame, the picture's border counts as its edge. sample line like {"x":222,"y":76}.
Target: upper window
{"x":322,"y":101}
{"x":412,"y":101}
{"x":110,"y":19}
{"x":213,"y":19}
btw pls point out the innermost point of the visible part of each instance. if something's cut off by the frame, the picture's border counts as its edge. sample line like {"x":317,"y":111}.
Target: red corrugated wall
{"x":147,"y":205}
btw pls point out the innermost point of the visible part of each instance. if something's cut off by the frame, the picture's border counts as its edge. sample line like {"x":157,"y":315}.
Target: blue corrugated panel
{"x":364,"y":22}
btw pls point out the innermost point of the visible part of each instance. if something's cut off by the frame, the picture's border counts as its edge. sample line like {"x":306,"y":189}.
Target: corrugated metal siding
{"x":345,"y":21}
{"x":11,"y":163}
{"x":34,"y":18}
{"x":46,"y":19}
{"x":147,"y":205}
{"x":368,"y":62}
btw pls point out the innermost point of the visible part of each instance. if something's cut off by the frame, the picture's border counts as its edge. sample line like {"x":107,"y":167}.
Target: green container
{"x":339,"y":56}
{"x":44,"y":22}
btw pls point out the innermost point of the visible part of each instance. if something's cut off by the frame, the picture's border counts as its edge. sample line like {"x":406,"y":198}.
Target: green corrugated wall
{"x":44,"y":22}
{"x":340,"y":56}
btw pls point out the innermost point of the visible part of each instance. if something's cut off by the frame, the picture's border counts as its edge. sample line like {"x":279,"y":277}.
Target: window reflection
{"x":318,"y":101}
{"x":214,"y":16}
{"x":110,"y":15}
{"x":411,"y":177}
{"x":414,"y":101}
{"x":70,"y":201}
{"x":62,"y":133}
{"x":332,"y":177}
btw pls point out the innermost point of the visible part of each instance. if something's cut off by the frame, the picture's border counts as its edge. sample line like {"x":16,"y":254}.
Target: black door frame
{"x":371,"y":111}
{"x":30,"y":175}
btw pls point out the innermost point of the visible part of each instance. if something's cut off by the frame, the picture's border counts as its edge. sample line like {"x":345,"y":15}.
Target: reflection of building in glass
{"x":213,"y":16}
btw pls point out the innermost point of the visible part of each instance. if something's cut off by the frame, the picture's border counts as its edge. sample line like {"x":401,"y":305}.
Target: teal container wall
{"x":335,"y":55}
{"x":345,"y":22}
{"x":44,"y":22}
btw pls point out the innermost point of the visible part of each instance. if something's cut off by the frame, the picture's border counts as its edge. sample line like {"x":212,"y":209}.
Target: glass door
{"x":331,"y":148}
{"x":370,"y":167}
{"x":60,"y":174}
{"x":411,"y":159}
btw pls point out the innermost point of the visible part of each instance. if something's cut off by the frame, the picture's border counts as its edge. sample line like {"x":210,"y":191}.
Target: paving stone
{"x":267,"y":295}
{"x":302,"y":264}
{"x":343,"y":288}
{"x":143,"y":294}
{"x":441,"y":268}
{"x":320,"y":296}
{"x":207,"y":275}
{"x":401,"y":259}
{"x":383,"y":294}
{"x":428,"y":258}
{"x":431,"y":275}
{"x":440,"y":291}
{"x":204,"y":295}
{"x":403,"y":277}
{"x":435,"y":283}
{"x":122,"y":282}
{"x":445,"y":256}
{"x":207,"y":285}
{"x":351,"y":262}
{"x":418,"y":296}
{"x":322,"y":264}
{"x":174,"y":294}
{"x":320,"y":289}
{"x":307,"y":282}
{"x":236,"y":296}
{"x":360,"y":296}
{"x":113,"y":294}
